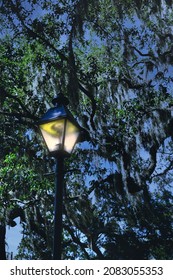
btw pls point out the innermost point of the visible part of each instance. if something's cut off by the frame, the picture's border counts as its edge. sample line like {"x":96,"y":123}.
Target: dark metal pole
{"x":59,"y":178}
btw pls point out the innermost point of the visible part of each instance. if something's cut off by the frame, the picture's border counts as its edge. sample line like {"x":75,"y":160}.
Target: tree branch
{"x":19,"y":116}
{"x":140,"y":53}
{"x":82,"y":245}
{"x":167,"y":169}
{"x":28,"y":114}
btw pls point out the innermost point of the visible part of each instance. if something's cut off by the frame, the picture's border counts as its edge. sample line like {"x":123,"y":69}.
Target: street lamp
{"x":60,"y":132}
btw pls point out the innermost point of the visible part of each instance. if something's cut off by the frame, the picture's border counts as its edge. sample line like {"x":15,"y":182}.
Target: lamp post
{"x":60,"y":132}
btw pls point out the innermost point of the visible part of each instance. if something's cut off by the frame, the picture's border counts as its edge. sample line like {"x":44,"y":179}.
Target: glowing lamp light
{"x":59,"y":128}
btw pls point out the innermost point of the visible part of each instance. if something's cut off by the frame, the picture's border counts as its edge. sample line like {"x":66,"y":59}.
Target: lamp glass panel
{"x":53,"y":134}
{"x":71,"y":136}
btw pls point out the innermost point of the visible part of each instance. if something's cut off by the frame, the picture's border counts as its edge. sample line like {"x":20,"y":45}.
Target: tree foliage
{"x":113,"y":60}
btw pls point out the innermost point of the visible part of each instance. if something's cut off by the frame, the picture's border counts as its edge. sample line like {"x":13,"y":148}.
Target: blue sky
{"x":13,"y":237}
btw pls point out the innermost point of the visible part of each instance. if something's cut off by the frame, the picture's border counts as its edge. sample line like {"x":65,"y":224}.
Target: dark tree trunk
{"x":2,"y":242}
